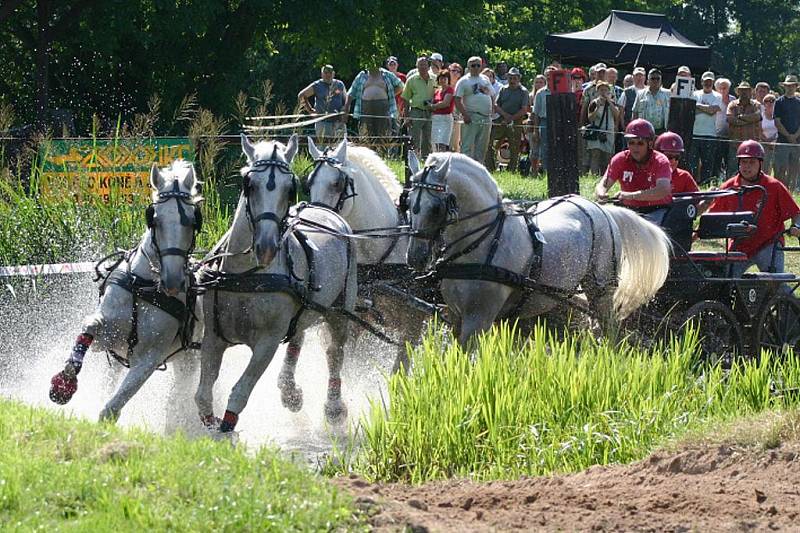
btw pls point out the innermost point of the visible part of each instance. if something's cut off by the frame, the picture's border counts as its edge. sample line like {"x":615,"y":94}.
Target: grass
{"x":539,"y":405}
{"x":58,"y":473}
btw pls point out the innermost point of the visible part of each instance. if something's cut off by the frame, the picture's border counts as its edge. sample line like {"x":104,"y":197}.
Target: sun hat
{"x":791,"y":79}
{"x":436,"y":56}
{"x":639,"y":70}
{"x":707,"y":75}
{"x":514,"y":71}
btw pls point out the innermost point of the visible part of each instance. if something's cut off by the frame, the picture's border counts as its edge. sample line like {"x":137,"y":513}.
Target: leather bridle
{"x":344,"y":180}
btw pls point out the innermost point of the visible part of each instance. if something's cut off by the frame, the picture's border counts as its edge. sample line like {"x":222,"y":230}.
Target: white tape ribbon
{"x":40,"y":270}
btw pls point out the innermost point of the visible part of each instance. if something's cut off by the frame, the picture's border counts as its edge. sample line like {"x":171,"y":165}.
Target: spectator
{"x":474,"y":100}
{"x":589,"y":94}
{"x":769,"y":131}
{"x":539,"y":118}
{"x":489,"y":73}
{"x":512,"y":106}
{"x":501,"y":73}
{"x":436,"y":62}
{"x":456,"y":70}
{"x":764,"y":247}
{"x":443,"y":104}
{"x":762,"y":90}
{"x":627,"y":81}
{"x":611,"y":77}
{"x":744,"y":121}
{"x":418,"y":95}
{"x":539,"y":83}
{"x":603,"y":117}
{"x":787,"y":119}
{"x":683,"y":72}
{"x":652,"y":104}
{"x":628,"y":97}
{"x":374,"y":92}
{"x":705,"y":143}
{"x":329,"y":97}
{"x":392,"y":66}
{"x":723,"y":87}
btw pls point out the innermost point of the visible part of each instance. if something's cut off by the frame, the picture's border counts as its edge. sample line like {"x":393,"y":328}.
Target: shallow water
{"x":39,"y":323}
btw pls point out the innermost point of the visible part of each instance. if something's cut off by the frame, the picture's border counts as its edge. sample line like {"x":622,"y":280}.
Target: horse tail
{"x":643,"y":263}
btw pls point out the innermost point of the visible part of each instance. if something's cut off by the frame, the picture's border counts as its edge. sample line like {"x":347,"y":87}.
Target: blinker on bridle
{"x":348,"y":186}
{"x":450,"y":204}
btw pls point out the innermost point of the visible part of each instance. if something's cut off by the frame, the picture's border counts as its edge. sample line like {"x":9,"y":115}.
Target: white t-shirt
{"x":705,"y":124}
{"x":469,"y":88}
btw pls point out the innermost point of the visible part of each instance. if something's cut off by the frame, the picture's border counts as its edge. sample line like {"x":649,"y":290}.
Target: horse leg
{"x":64,"y":384}
{"x":210,"y":363}
{"x":184,"y":368}
{"x":291,"y":394}
{"x":145,"y":365}
{"x":335,"y":409}
{"x":263,"y":353}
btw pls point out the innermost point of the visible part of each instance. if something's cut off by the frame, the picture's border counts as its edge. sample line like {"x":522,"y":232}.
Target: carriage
{"x":737,"y":315}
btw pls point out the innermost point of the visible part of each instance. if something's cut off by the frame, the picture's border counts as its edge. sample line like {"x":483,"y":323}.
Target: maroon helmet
{"x":639,"y":128}
{"x":669,"y":142}
{"x":750,"y":149}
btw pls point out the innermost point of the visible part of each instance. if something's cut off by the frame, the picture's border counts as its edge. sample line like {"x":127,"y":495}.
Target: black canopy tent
{"x":628,"y":38}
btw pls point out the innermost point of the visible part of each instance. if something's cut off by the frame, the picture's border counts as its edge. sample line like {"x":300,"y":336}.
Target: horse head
{"x":269,"y":187}
{"x":173,"y":219}
{"x":329,"y":184}
{"x":431,"y":207}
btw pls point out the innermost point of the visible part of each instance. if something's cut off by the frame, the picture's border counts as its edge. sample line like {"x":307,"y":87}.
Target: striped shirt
{"x":357,"y":89}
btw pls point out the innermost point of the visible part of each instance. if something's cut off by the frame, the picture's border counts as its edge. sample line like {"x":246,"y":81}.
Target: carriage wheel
{"x":719,"y":332}
{"x":779,"y":326}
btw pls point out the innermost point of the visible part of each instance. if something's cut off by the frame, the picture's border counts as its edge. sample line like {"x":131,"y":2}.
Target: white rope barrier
{"x":46,"y":269}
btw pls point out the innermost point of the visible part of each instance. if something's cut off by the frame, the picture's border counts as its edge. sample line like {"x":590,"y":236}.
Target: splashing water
{"x":39,"y":322}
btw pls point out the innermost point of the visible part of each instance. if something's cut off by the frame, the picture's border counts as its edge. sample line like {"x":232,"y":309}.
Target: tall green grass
{"x":64,"y":474}
{"x":542,"y":404}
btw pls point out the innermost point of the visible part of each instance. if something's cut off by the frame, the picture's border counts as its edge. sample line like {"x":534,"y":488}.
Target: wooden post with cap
{"x":562,"y":136}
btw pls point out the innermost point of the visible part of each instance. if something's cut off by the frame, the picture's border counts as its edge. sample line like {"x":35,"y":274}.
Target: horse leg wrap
{"x":334,"y":388}
{"x":64,"y":384}
{"x":292,"y":353}
{"x":228,"y":422}
{"x":79,"y":350}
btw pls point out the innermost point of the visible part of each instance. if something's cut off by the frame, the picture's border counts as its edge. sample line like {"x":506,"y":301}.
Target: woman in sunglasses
{"x":644,"y":174}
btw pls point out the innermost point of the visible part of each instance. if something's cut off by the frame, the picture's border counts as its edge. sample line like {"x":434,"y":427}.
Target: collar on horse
{"x":347,"y":183}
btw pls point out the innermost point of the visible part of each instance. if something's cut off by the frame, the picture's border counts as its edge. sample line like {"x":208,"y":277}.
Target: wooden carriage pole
{"x":562,"y":136}
{"x":682,"y":109}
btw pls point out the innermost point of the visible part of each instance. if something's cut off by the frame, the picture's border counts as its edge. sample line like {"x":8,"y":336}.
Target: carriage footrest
{"x":714,"y":256}
{"x":778,"y":276}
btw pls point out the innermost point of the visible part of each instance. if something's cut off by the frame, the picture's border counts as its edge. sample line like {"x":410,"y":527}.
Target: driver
{"x":762,"y":248}
{"x":644,"y":175}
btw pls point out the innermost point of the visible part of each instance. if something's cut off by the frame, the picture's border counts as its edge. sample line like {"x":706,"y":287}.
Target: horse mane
{"x":462,"y":165}
{"x":177,"y":170}
{"x":369,"y":160}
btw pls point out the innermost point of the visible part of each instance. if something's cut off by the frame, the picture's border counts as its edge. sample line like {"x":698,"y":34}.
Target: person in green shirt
{"x":418,"y":95}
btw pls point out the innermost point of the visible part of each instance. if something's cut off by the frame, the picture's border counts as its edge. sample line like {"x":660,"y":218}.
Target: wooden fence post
{"x":562,"y":144}
{"x":681,"y":121}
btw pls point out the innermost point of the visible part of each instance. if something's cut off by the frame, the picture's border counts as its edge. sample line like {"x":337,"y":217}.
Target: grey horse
{"x":277,"y":274}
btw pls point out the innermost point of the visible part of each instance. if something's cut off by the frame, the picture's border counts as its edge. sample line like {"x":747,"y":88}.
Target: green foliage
{"x":59,"y":473}
{"x":538,"y":405}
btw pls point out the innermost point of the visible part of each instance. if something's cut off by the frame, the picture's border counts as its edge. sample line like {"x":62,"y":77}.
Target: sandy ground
{"x":702,"y":488}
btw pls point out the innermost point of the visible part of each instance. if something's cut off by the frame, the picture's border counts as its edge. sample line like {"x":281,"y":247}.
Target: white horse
{"x":356,"y":183}
{"x":483,"y":253}
{"x":143,"y":314}
{"x":278,"y":274}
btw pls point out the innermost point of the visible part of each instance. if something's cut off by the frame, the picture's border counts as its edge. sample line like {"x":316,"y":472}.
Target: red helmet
{"x":669,"y":142}
{"x":640,"y":128}
{"x":750,"y":149}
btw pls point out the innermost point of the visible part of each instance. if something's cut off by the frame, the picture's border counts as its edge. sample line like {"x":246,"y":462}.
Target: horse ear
{"x":442,"y":170}
{"x":341,"y":152}
{"x":291,"y":148}
{"x":413,"y":162}
{"x":189,"y":179}
{"x":156,"y":179}
{"x":248,"y":149}
{"x":313,"y":150}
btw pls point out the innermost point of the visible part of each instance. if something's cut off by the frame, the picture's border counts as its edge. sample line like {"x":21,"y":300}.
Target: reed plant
{"x":543,"y":404}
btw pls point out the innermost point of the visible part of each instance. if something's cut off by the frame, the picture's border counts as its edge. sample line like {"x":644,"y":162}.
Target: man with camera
{"x":512,"y":105}
{"x":644,"y":175}
{"x":600,"y":132}
{"x":418,"y":95}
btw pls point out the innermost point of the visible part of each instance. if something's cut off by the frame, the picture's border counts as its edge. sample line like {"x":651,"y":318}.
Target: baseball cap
{"x":684,"y":68}
{"x":436,"y":56}
{"x":391,"y":59}
{"x":600,"y":66}
{"x":514,"y":71}
{"x":639,"y":70}
{"x":654,"y":72}
{"x":327,"y":68}
{"x":707,"y":75}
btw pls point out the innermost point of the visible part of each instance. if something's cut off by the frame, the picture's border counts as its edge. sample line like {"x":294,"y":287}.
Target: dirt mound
{"x":721,"y":488}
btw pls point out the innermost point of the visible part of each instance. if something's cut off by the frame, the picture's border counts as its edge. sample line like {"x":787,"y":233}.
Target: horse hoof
{"x":292,"y":399}
{"x":226,"y":436}
{"x":335,"y":412}
{"x":62,"y":387}
{"x":108,"y":415}
{"x":210,"y":422}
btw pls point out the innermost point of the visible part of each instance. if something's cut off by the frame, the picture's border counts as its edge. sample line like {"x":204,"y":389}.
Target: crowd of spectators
{"x":478,"y":111}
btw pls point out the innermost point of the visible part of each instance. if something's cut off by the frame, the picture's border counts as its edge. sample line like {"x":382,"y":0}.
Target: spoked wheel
{"x":779,"y":326}
{"x":718,"y":330}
